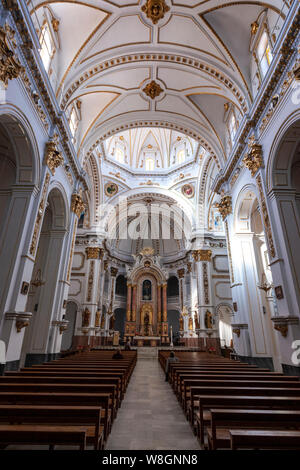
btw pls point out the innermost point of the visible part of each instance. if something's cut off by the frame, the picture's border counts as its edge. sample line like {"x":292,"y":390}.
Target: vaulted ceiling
{"x":110,"y":52}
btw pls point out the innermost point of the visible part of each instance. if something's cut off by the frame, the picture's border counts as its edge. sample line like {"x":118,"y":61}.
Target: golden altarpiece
{"x":146,"y":312}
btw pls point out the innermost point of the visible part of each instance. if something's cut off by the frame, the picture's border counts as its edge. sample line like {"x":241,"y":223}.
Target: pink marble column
{"x":134,"y":303}
{"x":159,"y":304}
{"x":128,"y":310}
{"x":165,"y":312}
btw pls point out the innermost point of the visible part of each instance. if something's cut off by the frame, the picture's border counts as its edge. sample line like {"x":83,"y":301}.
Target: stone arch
{"x":43,"y":297}
{"x":121,"y":285}
{"x":283,"y":150}
{"x":173,"y":286}
{"x":245,"y":202}
{"x":24,"y":144}
{"x":58,"y":202}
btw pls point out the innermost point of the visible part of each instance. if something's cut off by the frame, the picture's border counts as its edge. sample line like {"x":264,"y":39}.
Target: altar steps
{"x":147,"y":352}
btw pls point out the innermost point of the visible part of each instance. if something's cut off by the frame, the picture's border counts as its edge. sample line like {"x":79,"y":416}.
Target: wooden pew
{"x":87,"y":381}
{"x":74,"y":368}
{"x":188,"y":397}
{"x":186,"y":384}
{"x":31,"y":434}
{"x":93,"y":379}
{"x":67,"y":374}
{"x":175,"y":377}
{"x":223,"y":420}
{"x":240,"y":391}
{"x":63,"y":399}
{"x":264,"y":439}
{"x":53,"y":415}
{"x":207,"y":402}
{"x":65,"y":388}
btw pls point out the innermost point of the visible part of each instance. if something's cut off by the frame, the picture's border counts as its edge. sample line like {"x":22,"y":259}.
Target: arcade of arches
{"x":150,"y":178}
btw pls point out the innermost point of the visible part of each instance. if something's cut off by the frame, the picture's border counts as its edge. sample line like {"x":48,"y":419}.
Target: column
{"x":165,"y":311}
{"x":41,"y":333}
{"x":55,"y":338}
{"x":130,"y":324}
{"x":113,"y":272}
{"x":128,"y":309}
{"x":164,"y":325}
{"x":134,"y":287}
{"x":180,"y":273}
{"x":203,"y":266}
{"x":159,"y":304}
{"x":26,"y":207}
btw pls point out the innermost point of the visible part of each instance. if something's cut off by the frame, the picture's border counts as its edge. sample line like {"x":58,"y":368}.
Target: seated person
{"x":117,"y":354}
{"x":171,"y":358}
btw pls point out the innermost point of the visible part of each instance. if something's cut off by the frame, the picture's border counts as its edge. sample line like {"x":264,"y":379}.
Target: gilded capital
{"x":253,"y":159}
{"x":296,"y":72}
{"x":53,"y":158}
{"x":202,"y":255}
{"x":10,"y":67}
{"x":113,"y":271}
{"x":237,"y":332}
{"x":180,"y":273}
{"x":77,"y":204}
{"x":225,"y":206}
{"x":282,"y":328}
{"x":155,"y":9}
{"x":93,"y":252}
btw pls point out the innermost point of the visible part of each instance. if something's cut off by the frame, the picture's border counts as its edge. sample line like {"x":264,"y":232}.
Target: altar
{"x":146,"y":310}
{"x":147,"y":340}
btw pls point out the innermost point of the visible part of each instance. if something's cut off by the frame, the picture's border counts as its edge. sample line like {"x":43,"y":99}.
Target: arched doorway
{"x":225,"y":313}
{"x":42,"y":296}
{"x":19,"y":169}
{"x":121,"y":286}
{"x":70,"y":316}
{"x":256,"y":340}
{"x":120,"y":318}
{"x":173,"y":287}
{"x":173,"y":320}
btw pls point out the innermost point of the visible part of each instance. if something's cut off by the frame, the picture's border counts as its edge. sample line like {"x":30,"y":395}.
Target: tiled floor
{"x":150,"y":417}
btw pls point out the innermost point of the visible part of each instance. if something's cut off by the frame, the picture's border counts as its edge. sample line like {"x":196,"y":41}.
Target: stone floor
{"x":150,"y":417}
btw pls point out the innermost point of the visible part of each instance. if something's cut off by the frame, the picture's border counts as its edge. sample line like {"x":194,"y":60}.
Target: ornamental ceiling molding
{"x":153,"y":90}
{"x":96,"y":183}
{"x":26,"y":47}
{"x":153,"y":123}
{"x":155,"y":10}
{"x":164,"y":58}
{"x":286,"y":52}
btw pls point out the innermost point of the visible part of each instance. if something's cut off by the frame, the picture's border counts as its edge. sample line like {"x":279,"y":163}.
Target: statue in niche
{"x":147,"y":288}
{"x":146,"y":324}
{"x":181,"y":326}
{"x":197,"y":325}
{"x":191,"y":327}
{"x":112,"y":322}
{"x":97,"y":318}
{"x":86,"y":315}
{"x":208,"y":319}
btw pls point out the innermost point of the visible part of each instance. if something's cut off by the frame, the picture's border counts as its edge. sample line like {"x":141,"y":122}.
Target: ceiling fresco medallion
{"x":188,"y":190}
{"x":155,"y":9}
{"x":153,"y":90}
{"x":111,"y":189}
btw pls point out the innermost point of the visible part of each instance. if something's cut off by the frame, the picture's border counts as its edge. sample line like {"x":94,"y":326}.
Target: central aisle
{"x":150,"y":417}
